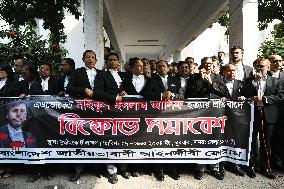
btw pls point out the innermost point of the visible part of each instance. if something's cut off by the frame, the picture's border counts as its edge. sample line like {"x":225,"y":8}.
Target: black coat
{"x":197,"y":87}
{"x":129,"y":88}
{"x":105,"y":87}
{"x":36,"y":88}
{"x":156,"y":87}
{"x":273,"y":94}
{"x":9,"y":89}
{"x":237,"y":89}
{"x":60,"y":81}
{"x":78,"y":82}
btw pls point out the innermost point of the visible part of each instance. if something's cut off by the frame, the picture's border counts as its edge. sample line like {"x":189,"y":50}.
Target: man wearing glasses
{"x":266,"y":92}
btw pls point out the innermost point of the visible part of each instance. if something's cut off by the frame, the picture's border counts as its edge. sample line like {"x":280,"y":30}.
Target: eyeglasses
{"x":277,"y":61}
{"x":260,"y":66}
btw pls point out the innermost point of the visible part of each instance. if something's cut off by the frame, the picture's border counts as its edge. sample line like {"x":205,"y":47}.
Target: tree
{"x":20,"y":12}
{"x":25,"y":43}
{"x":275,"y":45}
{"x":23,"y":40}
{"x":269,"y":10}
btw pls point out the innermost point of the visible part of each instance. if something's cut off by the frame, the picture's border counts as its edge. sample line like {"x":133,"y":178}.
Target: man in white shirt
{"x":136,"y":83}
{"x":88,"y":82}
{"x":242,"y":71}
{"x":81,"y":81}
{"x":67,"y":66}
{"x":275,"y":65}
{"x":81,"y":85}
{"x":18,"y":66}
{"x":115,"y":78}
{"x":277,"y":142}
{"x":183,"y":74}
{"x":112,"y":60}
{"x":266,"y":91}
{"x":163,"y":86}
{"x":153,"y":66}
{"x":233,"y":86}
{"x":233,"y":89}
{"x":46,"y":85}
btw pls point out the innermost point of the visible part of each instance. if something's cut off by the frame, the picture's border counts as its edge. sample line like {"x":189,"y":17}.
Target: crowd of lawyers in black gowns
{"x":159,"y":80}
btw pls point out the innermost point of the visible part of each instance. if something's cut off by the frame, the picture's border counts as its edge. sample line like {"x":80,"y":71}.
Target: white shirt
{"x":183,"y":83}
{"x":165,"y":81}
{"x":260,"y":87}
{"x":16,"y":135}
{"x":275,"y":74}
{"x":91,"y":76}
{"x":2,"y":82}
{"x":21,"y":78}
{"x":116,"y":77}
{"x":138,"y":82}
{"x":240,"y":74}
{"x":30,"y":83}
{"x":66,"y":81}
{"x":230,"y":85}
{"x":44,"y":84}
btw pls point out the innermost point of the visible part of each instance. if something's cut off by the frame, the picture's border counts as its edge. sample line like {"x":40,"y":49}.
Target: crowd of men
{"x":159,"y":80}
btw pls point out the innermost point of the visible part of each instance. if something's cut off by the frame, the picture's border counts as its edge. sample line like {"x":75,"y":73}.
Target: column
{"x":177,"y":56}
{"x":243,"y":30}
{"x":93,"y":29}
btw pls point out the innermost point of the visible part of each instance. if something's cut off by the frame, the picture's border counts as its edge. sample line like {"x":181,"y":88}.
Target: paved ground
{"x":89,"y":181}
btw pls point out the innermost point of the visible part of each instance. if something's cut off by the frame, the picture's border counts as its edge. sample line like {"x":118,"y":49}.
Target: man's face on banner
{"x":17,"y":115}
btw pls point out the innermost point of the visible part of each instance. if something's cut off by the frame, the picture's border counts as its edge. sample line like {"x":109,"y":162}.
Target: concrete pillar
{"x":243,"y":30}
{"x":93,"y":29}
{"x":177,"y":56}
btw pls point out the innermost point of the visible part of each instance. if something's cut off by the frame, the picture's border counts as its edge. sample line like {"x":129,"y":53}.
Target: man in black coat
{"x":266,"y":91}
{"x":109,"y":86}
{"x":6,"y":80}
{"x":136,"y":84}
{"x":47,"y":85}
{"x":88,"y":82}
{"x":277,"y":151}
{"x":18,"y":66}
{"x":183,"y":76}
{"x":67,"y":66}
{"x":242,"y":71}
{"x":30,"y":75}
{"x":81,"y":81}
{"x":82,"y":85}
{"x":162,"y":86}
{"x":233,"y":89}
{"x":206,"y":85}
